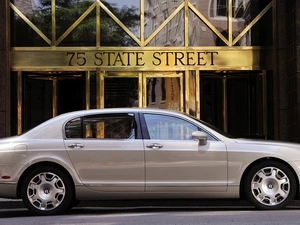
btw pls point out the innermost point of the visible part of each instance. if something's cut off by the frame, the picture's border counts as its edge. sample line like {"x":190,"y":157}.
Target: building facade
{"x":232,"y":63}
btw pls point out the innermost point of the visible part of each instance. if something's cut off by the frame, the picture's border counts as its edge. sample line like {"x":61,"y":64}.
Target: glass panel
{"x":120,"y":92}
{"x":39,"y":14}
{"x":70,"y":93}
{"x":261,"y":34}
{"x":163,"y":93}
{"x":37,"y":101}
{"x":156,"y":12}
{"x":74,"y":128}
{"x":247,"y":10}
{"x":118,"y":126}
{"x":111,"y":34}
{"x":172,"y":34}
{"x":22,"y":35}
{"x":211,"y":100}
{"x":201,"y":35}
{"x":169,"y":128}
{"x":128,"y":12}
{"x":245,"y":106}
{"x":84,"y":33}
{"x":215,"y":11}
{"x":238,"y":107}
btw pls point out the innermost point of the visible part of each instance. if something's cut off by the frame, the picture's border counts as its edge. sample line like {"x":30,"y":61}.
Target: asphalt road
{"x":156,"y":215}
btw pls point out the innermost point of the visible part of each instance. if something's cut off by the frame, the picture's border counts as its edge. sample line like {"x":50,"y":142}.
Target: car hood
{"x":268,"y":142}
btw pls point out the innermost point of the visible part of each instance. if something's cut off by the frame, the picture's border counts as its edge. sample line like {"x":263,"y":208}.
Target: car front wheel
{"x":47,"y":191}
{"x":270,"y":185}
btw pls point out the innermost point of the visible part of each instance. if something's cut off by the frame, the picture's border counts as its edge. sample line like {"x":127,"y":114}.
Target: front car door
{"x":176,"y":163}
{"x":107,"y":151}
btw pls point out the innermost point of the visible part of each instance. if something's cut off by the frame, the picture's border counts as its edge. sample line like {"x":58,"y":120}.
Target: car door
{"x":176,"y":163}
{"x":107,"y":152}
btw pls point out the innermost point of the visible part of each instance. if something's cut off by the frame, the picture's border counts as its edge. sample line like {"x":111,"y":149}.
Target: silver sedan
{"x":139,"y":153}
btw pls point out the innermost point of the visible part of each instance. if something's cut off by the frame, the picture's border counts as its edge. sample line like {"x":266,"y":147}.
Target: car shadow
{"x":128,"y":207}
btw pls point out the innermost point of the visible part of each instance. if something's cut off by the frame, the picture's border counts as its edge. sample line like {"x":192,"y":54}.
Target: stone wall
{"x":287,"y":70}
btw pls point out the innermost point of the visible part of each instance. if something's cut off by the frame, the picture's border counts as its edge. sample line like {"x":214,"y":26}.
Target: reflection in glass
{"x":22,"y":35}
{"x":111,"y":34}
{"x":215,"y":11}
{"x":118,"y":18}
{"x":244,"y":12}
{"x":128,"y":12}
{"x":163,"y":127}
{"x":84,"y":32}
{"x":40,"y":15}
{"x":201,"y":35}
{"x":163,"y":93}
{"x":156,"y":12}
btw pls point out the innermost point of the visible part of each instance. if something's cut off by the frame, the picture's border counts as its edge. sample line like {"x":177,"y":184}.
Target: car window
{"x":116,"y":126}
{"x":169,"y":127}
{"x":74,"y":128}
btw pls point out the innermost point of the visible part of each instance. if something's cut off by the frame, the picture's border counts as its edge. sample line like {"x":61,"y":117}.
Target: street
{"x":156,"y":215}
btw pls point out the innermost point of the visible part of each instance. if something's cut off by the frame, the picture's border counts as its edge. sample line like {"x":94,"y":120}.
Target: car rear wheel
{"x":47,"y":191}
{"x":270,"y":185}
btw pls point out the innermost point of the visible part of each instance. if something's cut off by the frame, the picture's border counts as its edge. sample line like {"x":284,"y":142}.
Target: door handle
{"x":76,"y":145}
{"x":154,"y":146}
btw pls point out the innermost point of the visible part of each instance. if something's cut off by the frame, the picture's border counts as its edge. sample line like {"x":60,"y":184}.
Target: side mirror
{"x":200,"y":136}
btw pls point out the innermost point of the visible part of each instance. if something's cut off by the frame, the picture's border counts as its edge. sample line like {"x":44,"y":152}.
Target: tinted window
{"x":117,"y":126}
{"x":74,"y":128}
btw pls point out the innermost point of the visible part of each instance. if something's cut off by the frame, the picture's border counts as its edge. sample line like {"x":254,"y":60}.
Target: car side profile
{"x":139,"y":153}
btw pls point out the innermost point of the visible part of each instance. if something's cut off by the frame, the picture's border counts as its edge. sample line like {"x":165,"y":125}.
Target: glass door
{"x":119,"y":89}
{"x":163,"y":90}
{"x":155,"y":90}
{"x":233,"y":102}
{"x":51,"y":94}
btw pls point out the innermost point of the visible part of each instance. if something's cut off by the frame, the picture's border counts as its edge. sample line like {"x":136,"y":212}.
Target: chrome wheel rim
{"x":270,"y":186}
{"x":46,"y":191}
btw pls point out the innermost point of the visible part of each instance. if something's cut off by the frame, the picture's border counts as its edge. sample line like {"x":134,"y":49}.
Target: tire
{"x":47,"y":191}
{"x":270,"y":185}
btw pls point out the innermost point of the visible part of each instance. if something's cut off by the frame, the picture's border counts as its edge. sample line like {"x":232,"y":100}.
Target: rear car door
{"x":107,"y":151}
{"x":176,"y":163}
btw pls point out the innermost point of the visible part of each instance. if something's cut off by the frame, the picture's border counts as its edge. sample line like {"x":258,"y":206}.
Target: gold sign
{"x":148,"y":60}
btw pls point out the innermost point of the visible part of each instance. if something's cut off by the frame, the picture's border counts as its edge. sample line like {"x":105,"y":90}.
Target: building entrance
{"x":233,"y":101}
{"x":163,"y":90}
{"x":48,"y":95}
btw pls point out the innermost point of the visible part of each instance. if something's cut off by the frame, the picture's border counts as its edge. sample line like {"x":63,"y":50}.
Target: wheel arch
{"x":39,"y":164}
{"x":242,"y":183}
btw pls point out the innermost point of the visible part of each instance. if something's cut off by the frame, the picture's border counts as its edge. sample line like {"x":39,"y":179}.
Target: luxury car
{"x":131,"y":153}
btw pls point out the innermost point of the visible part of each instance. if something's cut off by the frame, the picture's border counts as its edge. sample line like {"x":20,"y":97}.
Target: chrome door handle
{"x":154,"y":145}
{"x":76,"y":145}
